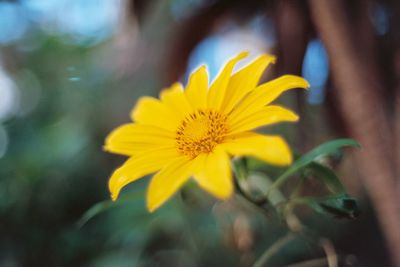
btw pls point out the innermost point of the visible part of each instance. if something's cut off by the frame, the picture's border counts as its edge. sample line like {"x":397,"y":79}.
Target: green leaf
{"x":94,"y":210}
{"x":106,"y":205}
{"x":240,"y":168}
{"x":327,"y":176}
{"x":339,"y":206}
{"x":321,"y":150}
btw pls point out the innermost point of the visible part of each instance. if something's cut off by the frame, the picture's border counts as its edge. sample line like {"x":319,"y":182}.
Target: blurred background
{"x":70,"y":71}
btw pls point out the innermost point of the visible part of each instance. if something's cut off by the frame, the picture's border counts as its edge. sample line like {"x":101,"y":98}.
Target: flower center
{"x":200,"y":132}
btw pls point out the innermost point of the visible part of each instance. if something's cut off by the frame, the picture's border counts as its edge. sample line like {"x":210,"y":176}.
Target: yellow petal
{"x":139,"y":166}
{"x":175,"y":99}
{"x":265,"y":116}
{"x":167,"y":181}
{"x":215,"y":177}
{"x":218,"y":88}
{"x":150,"y":111}
{"x":245,"y":80}
{"x":266,"y":93}
{"x":196,"y":90}
{"x":271,"y":149}
{"x":130,"y":139}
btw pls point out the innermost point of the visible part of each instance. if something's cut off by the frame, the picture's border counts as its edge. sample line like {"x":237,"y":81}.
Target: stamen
{"x":200,"y":132}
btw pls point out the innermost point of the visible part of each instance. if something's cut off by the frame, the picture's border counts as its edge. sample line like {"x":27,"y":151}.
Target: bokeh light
{"x":316,"y":71}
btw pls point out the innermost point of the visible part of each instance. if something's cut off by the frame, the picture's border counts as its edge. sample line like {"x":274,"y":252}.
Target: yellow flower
{"x":193,"y":132}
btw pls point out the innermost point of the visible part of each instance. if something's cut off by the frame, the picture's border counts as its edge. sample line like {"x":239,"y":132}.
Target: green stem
{"x":272,"y":250}
{"x":310,"y":263}
{"x":258,"y":205}
{"x":279,"y":181}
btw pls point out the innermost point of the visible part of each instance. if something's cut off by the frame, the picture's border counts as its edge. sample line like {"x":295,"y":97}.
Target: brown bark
{"x":396,"y":66}
{"x":293,"y":35}
{"x":397,"y":118}
{"x":360,"y":102}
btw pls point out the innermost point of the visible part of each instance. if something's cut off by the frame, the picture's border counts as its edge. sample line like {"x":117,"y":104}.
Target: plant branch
{"x":272,"y":250}
{"x":321,"y":262}
{"x":330,"y":252}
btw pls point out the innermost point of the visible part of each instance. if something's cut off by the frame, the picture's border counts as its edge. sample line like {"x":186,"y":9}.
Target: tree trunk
{"x":359,"y":100}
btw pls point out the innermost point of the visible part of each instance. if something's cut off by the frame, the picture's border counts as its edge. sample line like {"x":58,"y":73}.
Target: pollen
{"x":200,"y":132}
